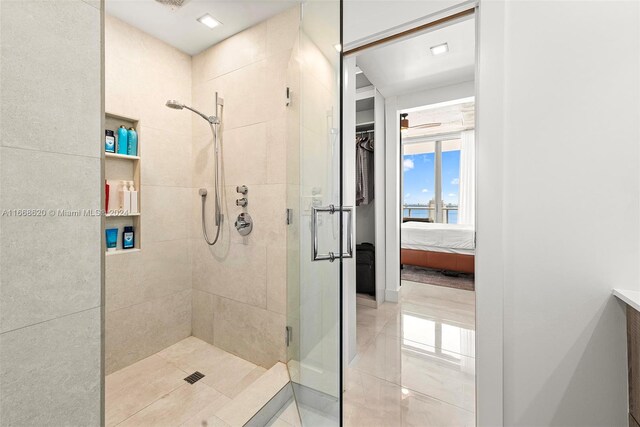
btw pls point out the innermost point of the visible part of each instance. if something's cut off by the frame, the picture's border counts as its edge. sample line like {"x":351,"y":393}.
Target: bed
{"x":439,"y":246}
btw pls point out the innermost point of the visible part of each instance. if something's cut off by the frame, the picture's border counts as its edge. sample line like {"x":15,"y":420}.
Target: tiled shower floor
{"x":152,"y":392}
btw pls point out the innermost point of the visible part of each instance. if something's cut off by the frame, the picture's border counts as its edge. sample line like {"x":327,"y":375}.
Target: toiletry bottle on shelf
{"x":114,"y":196}
{"x":132,"y":137}
{"x":128,"y":238}
{"x":123,"y":138}
{"x":125,"y":198}
{"x":134,"y":198}
{"x":112,"y":239}
{"x":106,"y":196}
{"x":109,"y":141}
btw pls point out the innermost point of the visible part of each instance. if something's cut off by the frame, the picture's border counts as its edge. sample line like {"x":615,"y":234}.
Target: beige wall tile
{"x":51,"y":372}
{"x":202,"y":316}
{"x":124,"y":285}
{"x":252,"y":333}
{"x":277,"y":150}
{"x":67,"y":111}
{"x":164,"y":213}
{"x":167,"y":157}
{"x":245,"y":155}
{"x":267,"y":207}
{"x":239,"y":273}
{"x":161,"y":269}
{"x":237,"y":51}
{"x":282,"y":30}
{"x":138,"y":331}
{"x":277,"y":279}
{"x":246,"y":96}
{"x":141,"y":73}
{"x":65,"y":276}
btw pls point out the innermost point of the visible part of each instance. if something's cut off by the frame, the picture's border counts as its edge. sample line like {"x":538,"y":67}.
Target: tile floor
{"x":416,"y":361}
{"x":152,"y":392}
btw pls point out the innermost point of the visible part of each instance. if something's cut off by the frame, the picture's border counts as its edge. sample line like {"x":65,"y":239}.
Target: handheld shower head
{"x":172,"y":103}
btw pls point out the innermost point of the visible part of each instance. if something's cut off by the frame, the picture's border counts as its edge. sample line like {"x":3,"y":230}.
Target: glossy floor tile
{"x":152,"y":392}
{"x":415,"y":364}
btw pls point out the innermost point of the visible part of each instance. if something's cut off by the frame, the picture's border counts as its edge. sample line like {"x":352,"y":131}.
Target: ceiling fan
{"x":404,"y":123}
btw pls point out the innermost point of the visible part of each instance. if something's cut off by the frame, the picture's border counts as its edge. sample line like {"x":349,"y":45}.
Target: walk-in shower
{"x":214,"y":124}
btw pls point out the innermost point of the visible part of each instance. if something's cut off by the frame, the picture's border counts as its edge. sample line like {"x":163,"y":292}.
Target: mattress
{"x":447,"y":238}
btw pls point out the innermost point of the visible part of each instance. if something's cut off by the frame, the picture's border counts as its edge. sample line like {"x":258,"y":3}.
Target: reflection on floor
{"x":416,"y":361}
{"x":152,"y":392}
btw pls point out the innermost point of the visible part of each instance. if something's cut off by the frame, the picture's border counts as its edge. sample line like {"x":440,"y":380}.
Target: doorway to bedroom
{"x":437,"y":232}
{"x":411,"y":343}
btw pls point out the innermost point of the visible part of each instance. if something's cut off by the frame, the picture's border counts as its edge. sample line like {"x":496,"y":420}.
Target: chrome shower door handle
{"x":331,"y":256}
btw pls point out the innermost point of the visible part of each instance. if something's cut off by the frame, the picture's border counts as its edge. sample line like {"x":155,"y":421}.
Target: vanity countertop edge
{"x":631,"y":298}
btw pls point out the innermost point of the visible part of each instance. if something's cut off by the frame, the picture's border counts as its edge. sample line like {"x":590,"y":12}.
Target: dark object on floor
{"x":438,"y":277}
{"x":366,"y":269}
{"x":194,"y":378}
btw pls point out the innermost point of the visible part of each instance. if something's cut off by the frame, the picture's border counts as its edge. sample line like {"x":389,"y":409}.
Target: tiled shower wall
{"x":50,"y":280}
{"x":239,"y":285}
{"x":148,"y":293}
{"x":232,"y":295}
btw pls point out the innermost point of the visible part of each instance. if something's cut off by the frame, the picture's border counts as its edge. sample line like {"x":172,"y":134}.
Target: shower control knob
{"x":244,"y":224}
{"x":242,"y":202}
{"x":242,"y":189}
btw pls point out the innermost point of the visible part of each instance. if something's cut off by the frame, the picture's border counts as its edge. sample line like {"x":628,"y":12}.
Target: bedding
{"x":434,"y":237}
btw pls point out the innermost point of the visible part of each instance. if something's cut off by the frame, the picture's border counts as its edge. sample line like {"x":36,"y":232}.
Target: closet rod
{"x":414,"y":30}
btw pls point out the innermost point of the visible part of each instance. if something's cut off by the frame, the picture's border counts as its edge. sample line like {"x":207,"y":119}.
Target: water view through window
{"x":420,"y":196}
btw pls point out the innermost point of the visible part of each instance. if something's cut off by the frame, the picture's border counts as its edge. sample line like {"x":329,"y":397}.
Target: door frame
{"x":489,"y":265}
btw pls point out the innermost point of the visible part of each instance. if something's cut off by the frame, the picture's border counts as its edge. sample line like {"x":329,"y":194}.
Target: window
{"x":431,"y":179}
{"x":418,"y":164}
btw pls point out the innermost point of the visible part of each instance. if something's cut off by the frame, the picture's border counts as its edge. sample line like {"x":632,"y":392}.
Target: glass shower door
{"x":314,"y":246}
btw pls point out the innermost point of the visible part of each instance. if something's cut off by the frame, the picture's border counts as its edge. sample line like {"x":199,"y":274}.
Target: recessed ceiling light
{"x":440,"y":49}
{"x":209,"y":21}
{"x":338,"y":47}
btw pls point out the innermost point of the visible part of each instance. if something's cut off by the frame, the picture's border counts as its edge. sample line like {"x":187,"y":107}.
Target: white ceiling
{"x":409,"y":65}
{"x":180,"y":27}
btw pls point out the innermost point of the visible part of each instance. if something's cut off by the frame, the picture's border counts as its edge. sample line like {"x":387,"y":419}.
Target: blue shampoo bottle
{"x":123,"y":138}
{"x":133,"y":142}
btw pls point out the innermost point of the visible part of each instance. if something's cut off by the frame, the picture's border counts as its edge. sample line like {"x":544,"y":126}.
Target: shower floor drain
{"x":195,"y":377}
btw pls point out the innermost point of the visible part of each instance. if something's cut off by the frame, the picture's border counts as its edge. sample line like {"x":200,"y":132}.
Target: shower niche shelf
{"x":122,"y":167}
{"x":121,"y":156}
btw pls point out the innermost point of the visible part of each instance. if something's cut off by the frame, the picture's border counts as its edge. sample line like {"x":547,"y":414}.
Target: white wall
{"x":570,"y":143}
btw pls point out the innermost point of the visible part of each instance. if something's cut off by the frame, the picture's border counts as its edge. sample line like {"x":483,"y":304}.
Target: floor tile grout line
{"x":210,"y":386}
{"x":142,"y":409}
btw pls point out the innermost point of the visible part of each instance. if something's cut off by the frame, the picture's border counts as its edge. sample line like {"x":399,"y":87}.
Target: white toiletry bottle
{"x":125,"y":198}
{"x":134,"y":198}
